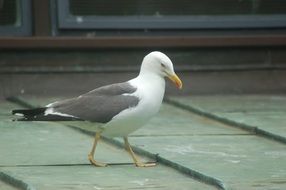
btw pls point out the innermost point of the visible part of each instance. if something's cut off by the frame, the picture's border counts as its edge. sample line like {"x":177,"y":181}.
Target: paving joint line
{"x":252,"y":129}
{"x":62,"y":165}
{"x":192,"y":135}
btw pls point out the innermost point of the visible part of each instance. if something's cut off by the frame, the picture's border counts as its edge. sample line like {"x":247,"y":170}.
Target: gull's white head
{"x":160,"y":64}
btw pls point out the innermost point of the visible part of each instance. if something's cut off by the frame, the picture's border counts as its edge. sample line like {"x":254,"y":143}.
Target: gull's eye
{"x":162,"y":65}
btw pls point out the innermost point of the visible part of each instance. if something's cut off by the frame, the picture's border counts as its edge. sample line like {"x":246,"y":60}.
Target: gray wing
{"x":99,"y":105}
{"x":113,"y":89}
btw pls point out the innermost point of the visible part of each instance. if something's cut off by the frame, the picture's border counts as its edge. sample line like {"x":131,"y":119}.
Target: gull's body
{"x":150,"y":96}
{"x":119,"y":108}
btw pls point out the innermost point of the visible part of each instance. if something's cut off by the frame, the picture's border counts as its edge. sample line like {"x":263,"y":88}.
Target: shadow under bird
{"x":120,"y":108}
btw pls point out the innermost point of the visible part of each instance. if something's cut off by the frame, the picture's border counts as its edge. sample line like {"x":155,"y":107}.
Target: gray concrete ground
{"x":197,"y":147}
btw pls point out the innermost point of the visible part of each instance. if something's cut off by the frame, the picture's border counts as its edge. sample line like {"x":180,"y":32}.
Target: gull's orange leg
{"x":91,"y":154}
{"x":135,"y":159}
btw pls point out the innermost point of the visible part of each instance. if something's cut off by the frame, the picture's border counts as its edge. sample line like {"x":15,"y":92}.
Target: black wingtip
{"x":20,"y":119}
{"x":28,"y":114}
{"x":14,"y":112}
{"x":38,"y":114}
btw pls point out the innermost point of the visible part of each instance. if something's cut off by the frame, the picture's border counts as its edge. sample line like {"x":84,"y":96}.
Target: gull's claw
{"x":140,"y":164}
{"x":94,"y":162}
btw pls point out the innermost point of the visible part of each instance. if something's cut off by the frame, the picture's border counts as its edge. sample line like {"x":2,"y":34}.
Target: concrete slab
{"x":115,"y":177}
{"x":263,"y":111}
{"x":49,"y":155}
{"x":172,"y":121}
{"x":238,"y":158}
{"x":24,"y":141}
{"x":241,"y":162}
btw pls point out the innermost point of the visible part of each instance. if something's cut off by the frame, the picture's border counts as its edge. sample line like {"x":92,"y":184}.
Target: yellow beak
{"x":175,"y":79}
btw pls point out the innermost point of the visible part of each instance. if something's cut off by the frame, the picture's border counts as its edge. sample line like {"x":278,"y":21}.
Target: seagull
{"x":119,"y":108}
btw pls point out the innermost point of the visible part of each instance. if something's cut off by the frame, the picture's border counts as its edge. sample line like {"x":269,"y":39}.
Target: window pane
{"x":176,"y":7}
{"x":8,"y":12}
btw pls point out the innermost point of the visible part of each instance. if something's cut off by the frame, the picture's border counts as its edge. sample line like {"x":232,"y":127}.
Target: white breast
{"x":150,"y":91}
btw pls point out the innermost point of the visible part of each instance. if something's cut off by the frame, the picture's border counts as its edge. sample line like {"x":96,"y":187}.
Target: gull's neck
{"x":149,"y":82}
{"x":150,"y":76}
